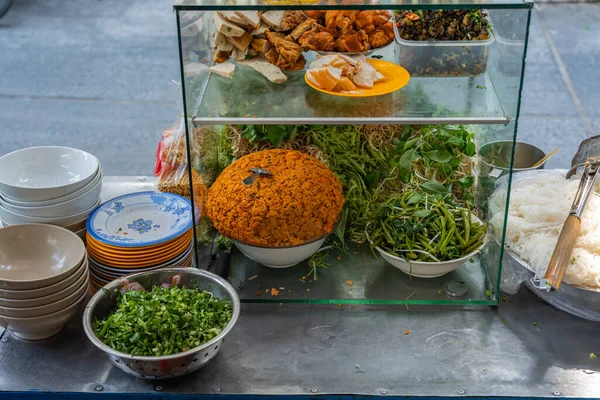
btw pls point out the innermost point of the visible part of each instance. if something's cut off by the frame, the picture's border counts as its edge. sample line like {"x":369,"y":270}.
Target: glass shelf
{"x":359,"y":278}
{"x":191,"y":5}
{"x":457,"y":101}
{"x":248,"y":98}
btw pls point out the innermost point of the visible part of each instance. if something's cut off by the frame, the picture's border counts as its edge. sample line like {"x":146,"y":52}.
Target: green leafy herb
{"x":163,"y":321}
{"x":481,"y":87}
{"x":274,"y":134}
{"x":431,"y":228}
{"x":434,"y":187}
{"x":534,"y":323}
{"x":592,"y":356}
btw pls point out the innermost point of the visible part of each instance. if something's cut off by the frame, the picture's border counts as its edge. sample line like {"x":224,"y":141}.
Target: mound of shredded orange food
{"x":301,"y":201}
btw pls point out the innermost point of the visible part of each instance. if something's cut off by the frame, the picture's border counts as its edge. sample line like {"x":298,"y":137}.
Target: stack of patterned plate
{"x":138,"y":232}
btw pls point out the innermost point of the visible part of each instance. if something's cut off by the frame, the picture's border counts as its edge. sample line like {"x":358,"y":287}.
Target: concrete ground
{"x":94,"y":74}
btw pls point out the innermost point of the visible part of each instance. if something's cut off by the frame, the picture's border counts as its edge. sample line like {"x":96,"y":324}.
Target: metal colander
{"x":174,"y":365}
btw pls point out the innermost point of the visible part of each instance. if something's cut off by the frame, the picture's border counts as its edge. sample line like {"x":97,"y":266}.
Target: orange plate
{"x":128,"y":264}
{"x":397,"y":78}
{"x":177,"y":247}
{"x":140,"y":257}
{"x":97,"y":244}
{"x":141,"y":250}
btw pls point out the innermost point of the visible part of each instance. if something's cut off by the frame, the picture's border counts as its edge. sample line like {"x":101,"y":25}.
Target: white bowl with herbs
{"x":427,"y":235}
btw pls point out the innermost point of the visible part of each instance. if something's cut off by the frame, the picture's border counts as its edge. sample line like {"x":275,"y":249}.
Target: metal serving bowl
{"x":583,"y":302}
{"x":104,"y":301}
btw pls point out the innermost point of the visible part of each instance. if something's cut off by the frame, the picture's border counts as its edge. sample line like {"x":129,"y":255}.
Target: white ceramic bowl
{"x":13,"y":218}
{"x":67,"y":208}
{"x":426,"y":269}
{"x":45,"y":173}
{"x":31,"y":312}
{"x":33,"y":256}
{"x":422,"y":269}
{"x":46,"y":290}
{"x":51,"y":298}
{"x":280,"y":257}
{"x":97,"y":178}
{"x":43,"y":327}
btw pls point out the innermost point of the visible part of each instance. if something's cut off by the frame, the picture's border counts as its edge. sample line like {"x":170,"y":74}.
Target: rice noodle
{"x":538,"y":208}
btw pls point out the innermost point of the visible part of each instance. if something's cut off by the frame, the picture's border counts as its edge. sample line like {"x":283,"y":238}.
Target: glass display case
{"x":463,"y":94}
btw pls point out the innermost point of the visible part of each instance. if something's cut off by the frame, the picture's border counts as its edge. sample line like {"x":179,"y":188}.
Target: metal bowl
{"x":104,"y":301}
{"x":580,"y":301}
{"x":495,"y":155}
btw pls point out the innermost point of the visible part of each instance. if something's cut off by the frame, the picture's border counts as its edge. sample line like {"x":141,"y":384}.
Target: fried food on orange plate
{"x":344,"y":74}
{"x":326,"y":78}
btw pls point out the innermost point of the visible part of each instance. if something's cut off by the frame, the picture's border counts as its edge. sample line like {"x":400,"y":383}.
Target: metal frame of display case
{"x":483,"y":101}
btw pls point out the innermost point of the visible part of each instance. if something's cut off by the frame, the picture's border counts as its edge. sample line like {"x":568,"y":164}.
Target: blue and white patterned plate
{"x":140,"y":219}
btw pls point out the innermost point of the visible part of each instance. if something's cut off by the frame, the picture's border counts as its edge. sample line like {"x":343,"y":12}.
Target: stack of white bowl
{"x":44,"y":279}
{"x":49,"y":185}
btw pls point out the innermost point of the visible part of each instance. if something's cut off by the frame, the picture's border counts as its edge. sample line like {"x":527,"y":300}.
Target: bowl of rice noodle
{"x":540,"y":201}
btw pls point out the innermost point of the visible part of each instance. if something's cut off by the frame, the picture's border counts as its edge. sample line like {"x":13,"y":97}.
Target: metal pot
{"x":496,"y":156}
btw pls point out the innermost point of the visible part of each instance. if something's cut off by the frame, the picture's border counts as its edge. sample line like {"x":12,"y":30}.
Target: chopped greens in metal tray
{"x":163,"y":321}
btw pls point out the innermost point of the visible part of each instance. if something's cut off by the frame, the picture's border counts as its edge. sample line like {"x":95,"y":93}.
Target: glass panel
{"x":341,"y":4}
{"x":487,"y":100}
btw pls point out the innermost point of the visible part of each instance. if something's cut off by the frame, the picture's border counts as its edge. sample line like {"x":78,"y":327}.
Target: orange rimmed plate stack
{"x":139,"y":232}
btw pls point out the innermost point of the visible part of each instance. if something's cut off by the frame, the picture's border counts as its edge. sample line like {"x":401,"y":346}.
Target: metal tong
{"x":588,"y":156}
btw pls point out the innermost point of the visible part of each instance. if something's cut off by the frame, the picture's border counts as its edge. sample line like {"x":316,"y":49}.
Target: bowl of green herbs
{"x":164,"y":323}
{"x":426,"y":235}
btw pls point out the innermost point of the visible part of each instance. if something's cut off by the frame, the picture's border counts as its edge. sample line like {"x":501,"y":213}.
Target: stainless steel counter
{"x":316,"y":350}
{"x":522,"y":348}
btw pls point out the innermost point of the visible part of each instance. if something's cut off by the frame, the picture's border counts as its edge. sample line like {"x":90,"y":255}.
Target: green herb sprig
{"x":163,"y":321}
{"x":426,"y":226}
